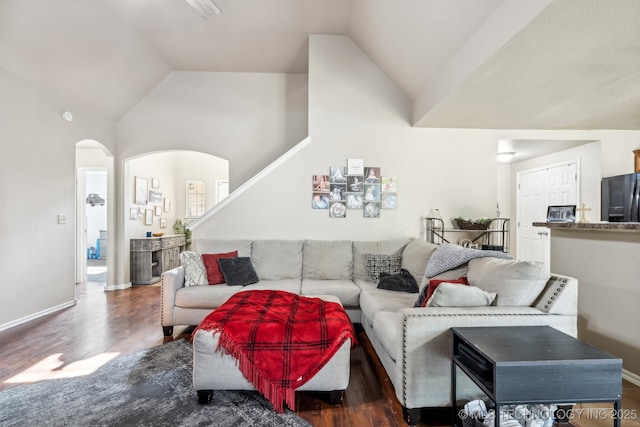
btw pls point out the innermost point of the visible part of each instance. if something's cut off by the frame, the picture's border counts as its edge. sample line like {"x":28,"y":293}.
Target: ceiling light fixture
{"x":505,"y":156}
{"x":67,"y":116}
{"x":205,"y":8}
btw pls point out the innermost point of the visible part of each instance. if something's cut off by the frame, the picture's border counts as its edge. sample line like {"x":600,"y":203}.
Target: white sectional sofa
{"x":413,"y":343}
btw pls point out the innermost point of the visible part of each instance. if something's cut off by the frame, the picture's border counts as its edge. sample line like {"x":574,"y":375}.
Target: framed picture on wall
{"x":166,"y":204}
{"x":133,"y":213}
{"x":155,"y":183}
{"x":355,"y":166}
{"x":163,"y":222}
{"x":155,"y":196}
{"x":565,"y":213}
{"x":140,"y":190}
{"x":148,"y":217}
{"x":158,"y":210}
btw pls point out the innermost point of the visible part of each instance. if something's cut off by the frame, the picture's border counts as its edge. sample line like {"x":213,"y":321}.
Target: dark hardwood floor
{"x":127,"y":321}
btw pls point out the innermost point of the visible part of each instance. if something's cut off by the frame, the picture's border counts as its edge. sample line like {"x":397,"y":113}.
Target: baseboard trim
{"x":37,"y":315}
{"x":631,"y":377}
{"x":117,"y":287}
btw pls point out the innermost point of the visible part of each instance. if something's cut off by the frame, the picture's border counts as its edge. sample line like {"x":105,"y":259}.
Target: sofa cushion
{"x":327,"y":260}
{"x":517,"y":283}
{"x":214,"y":275}
{"x":449,"y":256}
{"x":360,"y":248}
{"x":346,"y":290}
{"x":277,"y":259}
{"x":374,"y":301}
{"x":460,"y":295}
{"x":238,"y":271}
{"x":214,"y":246}
{"x":207,"y":297}
{"x":385,"y":326}
{"x":289,"y":285}
{"x":381,"y":263}
{"x":415,"y":257}
{"x":195,"y":273}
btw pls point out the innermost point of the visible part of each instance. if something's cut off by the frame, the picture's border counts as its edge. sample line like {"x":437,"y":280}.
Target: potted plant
{"x":180,"y":228}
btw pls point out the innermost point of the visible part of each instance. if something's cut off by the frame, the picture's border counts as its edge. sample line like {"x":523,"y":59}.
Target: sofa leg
{"x":205,"y":396}
{"x":411,"y":415}
{"x":335,"y":397}
{"x":167,"y":331}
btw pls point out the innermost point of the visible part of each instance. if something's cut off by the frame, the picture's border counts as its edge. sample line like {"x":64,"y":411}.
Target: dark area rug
{"x":149,"y":388}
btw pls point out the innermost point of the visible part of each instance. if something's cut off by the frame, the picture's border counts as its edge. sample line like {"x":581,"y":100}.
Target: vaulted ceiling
{"x":523,"y":64}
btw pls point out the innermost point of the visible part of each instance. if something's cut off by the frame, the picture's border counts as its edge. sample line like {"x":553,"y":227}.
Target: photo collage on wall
{"x":354,"y":187}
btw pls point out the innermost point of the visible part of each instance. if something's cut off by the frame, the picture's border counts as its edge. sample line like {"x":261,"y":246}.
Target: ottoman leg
{"x":205,"y":396}
{"x":167,"y":331}
{"x":335,"y":397}
{"x":411,"y":415}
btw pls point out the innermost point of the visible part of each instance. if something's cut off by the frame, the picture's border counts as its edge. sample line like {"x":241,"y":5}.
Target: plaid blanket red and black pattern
{"x":280,"y":339}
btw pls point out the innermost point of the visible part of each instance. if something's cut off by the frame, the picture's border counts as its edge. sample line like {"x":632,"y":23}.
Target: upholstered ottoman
{"x":216,"y":370}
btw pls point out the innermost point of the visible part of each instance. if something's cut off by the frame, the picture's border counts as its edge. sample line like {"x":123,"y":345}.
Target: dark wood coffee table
{"x":534,"y":364}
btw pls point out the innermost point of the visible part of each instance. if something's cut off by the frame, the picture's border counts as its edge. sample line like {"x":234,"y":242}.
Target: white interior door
{"x":538,"y":189}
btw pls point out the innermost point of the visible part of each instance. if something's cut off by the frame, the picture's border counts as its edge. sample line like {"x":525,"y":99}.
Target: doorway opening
{"x":92,"y":212}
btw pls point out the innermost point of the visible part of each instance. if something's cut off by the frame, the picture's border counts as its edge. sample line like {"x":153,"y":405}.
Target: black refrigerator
{"x":620,"y":197}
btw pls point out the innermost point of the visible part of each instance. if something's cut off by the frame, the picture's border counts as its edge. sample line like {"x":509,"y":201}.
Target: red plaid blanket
{"x":280,"y":339}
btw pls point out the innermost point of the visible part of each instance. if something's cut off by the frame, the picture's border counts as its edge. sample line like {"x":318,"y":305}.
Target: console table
{"x":534,"y":364}
{"x":152,"y":256}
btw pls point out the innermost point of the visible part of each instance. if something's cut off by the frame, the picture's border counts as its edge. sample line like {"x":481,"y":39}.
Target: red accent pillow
{"x":214,"y":274}
{"x":434,"y":283}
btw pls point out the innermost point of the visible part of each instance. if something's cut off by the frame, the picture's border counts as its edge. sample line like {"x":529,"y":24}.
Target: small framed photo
{"x":140,"y":190}
{"x":158,"y":210}
{"x":155,"y":196}
{"x":355,"y":166}
{"x":155,"y":183}
{"x":133,"y":214}
{"x":166,"y":203}
{"x":564,"y":213}
{"x":163,"y":222}
{"x":148,"y":217}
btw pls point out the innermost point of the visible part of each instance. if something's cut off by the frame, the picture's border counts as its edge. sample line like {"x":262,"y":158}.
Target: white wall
{"x":356,"y":112}
{"x":246,"y":118}
{"x":37,"y":182}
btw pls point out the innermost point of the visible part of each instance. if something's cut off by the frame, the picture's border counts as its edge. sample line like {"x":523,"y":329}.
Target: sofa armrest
{"x":170,"y":282}
{"x":425,"y":341}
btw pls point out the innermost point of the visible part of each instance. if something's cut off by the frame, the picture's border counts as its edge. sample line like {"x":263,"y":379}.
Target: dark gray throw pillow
{"x":402,"y":282}
{"x":238,"y":271}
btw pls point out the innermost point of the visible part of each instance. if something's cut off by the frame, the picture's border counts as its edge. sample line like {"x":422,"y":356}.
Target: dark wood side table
{"x":534,"y":364}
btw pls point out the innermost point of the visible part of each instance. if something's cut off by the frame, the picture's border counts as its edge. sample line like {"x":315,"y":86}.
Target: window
{"x":223,"y":190}
{"x":195,"y":199}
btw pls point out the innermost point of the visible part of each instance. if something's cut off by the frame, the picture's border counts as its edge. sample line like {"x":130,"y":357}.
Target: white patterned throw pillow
{"x":195,"y":273}
{"x":381,"y":263}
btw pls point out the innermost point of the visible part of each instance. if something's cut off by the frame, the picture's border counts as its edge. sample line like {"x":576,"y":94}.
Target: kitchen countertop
{"x":594,"y":226}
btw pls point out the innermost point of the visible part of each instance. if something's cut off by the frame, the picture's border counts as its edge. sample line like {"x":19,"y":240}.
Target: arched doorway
{"x":165,"y":176}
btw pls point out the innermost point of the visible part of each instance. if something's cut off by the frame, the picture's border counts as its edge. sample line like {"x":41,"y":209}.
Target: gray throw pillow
{"x":238,"y":271}
{"x":381,"y":263}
